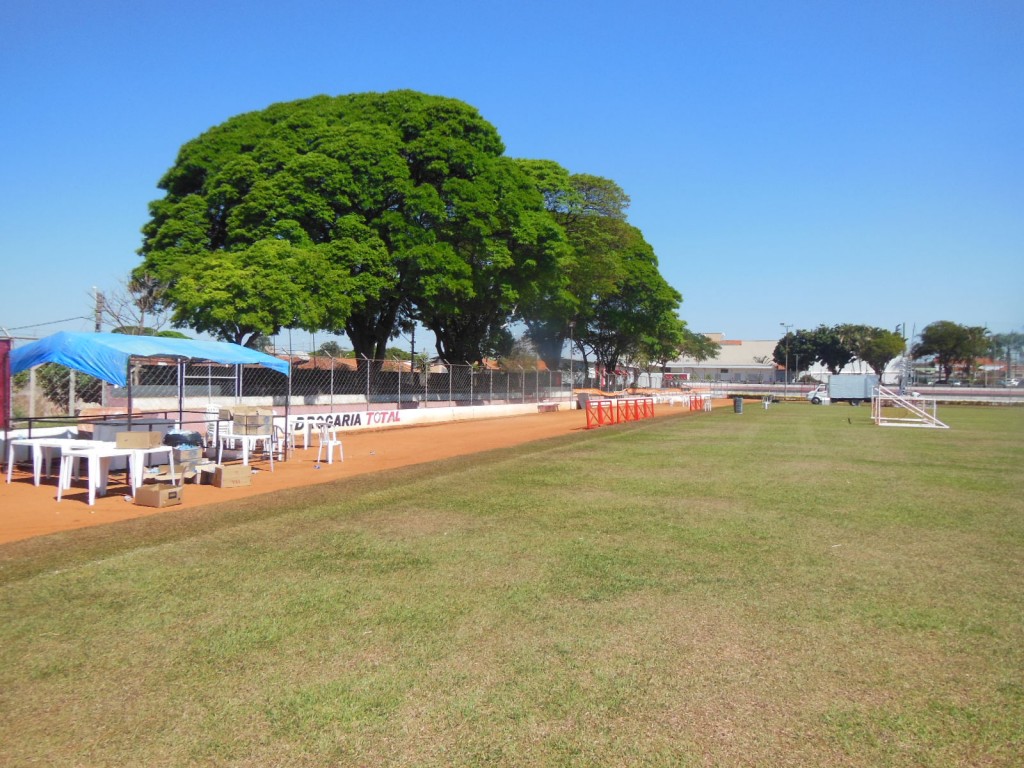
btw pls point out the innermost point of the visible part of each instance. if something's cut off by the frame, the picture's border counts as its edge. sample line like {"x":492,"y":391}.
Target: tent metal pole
{"x":287,"y":412}
{"x":129,"y":393}
{"x":181,"y":394}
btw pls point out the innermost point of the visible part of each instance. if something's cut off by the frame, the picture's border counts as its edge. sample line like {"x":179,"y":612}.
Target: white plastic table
{"x":248,"y":443}
{"x":98,"y":456}
{"x":43,"y":449}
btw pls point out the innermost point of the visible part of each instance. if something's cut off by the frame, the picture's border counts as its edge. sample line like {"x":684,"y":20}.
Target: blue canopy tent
{"x":107,"y":355}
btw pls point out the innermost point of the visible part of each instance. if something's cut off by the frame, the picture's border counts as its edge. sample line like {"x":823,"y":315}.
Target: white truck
{"x":852,"y":388}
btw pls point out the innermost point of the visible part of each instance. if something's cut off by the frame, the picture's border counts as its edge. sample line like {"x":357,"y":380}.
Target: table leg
{"x":37,"y":462}
{"x":64,"y":475}
{"x":103,"y":469}
{"x":136,"y":466}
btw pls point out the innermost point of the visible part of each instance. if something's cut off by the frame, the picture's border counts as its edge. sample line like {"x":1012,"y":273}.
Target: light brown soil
{"x":27,"y":510}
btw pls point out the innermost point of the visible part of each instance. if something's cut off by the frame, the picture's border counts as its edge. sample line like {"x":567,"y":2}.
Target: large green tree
{"x":507,"y":250}
{"x":351,"y":213}
{"x":617,"y":324}
{"x":600,"y":279}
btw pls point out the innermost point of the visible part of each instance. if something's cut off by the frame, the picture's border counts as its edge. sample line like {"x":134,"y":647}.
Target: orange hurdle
{"x":602,"y":412}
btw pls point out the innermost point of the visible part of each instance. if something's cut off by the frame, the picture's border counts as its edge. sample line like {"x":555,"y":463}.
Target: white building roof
{"x":733,"y":354}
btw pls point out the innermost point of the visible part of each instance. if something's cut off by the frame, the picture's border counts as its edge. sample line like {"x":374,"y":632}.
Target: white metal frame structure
{"x":915,"y":411}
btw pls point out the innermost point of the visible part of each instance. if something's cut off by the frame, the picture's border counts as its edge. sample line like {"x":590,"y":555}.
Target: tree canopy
{"x":362,"y":214}
{"x":950,"y":344}
{"x":609,"y":290}
{"x":836,"y":346}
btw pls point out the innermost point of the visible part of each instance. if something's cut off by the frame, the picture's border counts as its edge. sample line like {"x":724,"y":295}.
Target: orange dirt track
{"x":27,"y":511}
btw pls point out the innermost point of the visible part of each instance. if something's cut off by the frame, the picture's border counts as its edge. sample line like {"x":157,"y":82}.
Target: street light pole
{"x":785,"y":380}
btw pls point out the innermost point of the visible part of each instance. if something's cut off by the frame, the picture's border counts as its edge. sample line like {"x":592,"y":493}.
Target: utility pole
{"x":785,"y":381}
{"x":100,"y":307}
{"x":98,"y":327}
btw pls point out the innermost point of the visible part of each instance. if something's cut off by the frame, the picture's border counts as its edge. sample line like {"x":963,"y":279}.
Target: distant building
{"x":752,"y":362}
{"x":745,"y":362}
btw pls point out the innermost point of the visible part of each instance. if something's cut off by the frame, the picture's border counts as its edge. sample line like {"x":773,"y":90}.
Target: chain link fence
{"x":53,"y":391}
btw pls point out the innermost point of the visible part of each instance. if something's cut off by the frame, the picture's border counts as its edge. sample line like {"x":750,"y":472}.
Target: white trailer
{"x":852,"y":388}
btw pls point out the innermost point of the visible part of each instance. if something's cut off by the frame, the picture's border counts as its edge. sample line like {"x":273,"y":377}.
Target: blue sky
{"x":790,"y":162}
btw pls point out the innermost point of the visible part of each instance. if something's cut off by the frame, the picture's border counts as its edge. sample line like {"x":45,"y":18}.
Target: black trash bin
{"x":737,"y":405}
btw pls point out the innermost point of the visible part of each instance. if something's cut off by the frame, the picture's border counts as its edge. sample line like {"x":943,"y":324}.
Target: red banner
{"x":5,"y":383}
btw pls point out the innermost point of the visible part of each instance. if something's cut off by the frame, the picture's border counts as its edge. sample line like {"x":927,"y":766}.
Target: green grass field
{"x":791,"y":587}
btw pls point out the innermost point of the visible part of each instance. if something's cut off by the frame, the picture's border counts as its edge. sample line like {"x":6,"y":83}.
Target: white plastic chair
{"x":329,"y":441}
{"x":284,"y":447}
{"x":215,"y":426}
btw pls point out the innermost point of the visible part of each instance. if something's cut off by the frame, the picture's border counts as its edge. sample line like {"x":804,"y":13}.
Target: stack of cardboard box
{"x":187,"y":458}
{"x":187,"y":462}
{"x":252,"y":420}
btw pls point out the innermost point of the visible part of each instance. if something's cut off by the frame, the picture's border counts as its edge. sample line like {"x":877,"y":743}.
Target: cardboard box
{"x":158,"y":495}
{"x":206,"y":473}
{"x":145,"y":439}
{"x":252,"y":429}
{"x":253,"y":419}
{"x":184,"y":455}
{"x":251,"y":410}
{"x":232,"y":476}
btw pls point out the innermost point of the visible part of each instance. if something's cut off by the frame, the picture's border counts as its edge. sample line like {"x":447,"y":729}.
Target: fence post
{"x":449,"y":366}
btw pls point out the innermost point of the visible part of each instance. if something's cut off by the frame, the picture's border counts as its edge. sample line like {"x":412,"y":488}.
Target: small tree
{"x":951,"y":344}
{"x":794,"y":347}
{"x":880,"y":347}
{"x":135,"y":307}
{"x":1008,"y":347}
{"x":331,"y":349}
